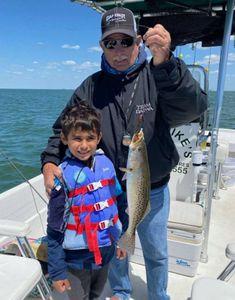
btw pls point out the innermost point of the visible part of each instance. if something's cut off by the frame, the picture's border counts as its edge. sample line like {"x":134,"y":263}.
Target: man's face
{"x":120,"y":50}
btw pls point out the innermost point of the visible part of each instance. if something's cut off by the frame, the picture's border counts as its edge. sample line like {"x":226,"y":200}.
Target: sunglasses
{"x":123,"y":43}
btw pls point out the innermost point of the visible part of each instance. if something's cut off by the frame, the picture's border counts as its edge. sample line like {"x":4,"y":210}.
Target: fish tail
{"x":127,"y":241}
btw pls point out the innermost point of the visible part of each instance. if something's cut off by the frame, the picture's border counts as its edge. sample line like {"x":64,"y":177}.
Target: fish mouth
{"x":137,"y":137}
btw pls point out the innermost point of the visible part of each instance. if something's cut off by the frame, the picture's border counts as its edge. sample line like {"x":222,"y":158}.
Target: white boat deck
{"x":221,"y":233}
{"x":179,"y":288}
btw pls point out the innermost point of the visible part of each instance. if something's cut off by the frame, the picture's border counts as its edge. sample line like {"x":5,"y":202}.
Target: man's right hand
{"x":50,"y":172}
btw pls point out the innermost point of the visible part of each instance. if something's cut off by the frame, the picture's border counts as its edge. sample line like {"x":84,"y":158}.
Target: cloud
{"x":52,"y":65}
{"x":35,"y":62}
{"x":67,"y":46}
{"x":17,"y":72}
{"x":214,"y":72}
{"x":30,"y":70}
{"x":197,"y":45}
{"x":212,"y":59}
{"x":231,"y":56}
{"x":69,"y":62}
{"x":87,"y":65}
{"x":95,"y":49}
{"x":40,"y":43}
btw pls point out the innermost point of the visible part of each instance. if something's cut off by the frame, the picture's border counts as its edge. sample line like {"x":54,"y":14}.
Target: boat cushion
{"x":185,"y":216}
{"x":212,"y":289}
{"x":18,"y":276}
{"x":13,"y":228}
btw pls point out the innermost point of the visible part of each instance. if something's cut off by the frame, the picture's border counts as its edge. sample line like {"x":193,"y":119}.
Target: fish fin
{"x":126,"y":170}
{"x":148,"y":208}
{"x":127,"y":242}
{"x":124,"y":177}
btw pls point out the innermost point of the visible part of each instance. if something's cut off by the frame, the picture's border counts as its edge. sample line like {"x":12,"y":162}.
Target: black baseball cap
{"x":118,"y":20}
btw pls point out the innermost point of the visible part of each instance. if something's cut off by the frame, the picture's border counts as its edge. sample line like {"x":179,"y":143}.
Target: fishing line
{"x":22,"y":175}
{"x":30,"y":185}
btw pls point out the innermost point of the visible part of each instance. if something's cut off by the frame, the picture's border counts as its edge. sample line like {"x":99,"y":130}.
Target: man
{"x":164,"y":92}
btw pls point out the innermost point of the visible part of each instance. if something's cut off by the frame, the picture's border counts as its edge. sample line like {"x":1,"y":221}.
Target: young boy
{"x":83,"y":224}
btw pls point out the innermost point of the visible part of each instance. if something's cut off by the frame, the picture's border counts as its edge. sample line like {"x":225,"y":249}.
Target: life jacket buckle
{"x":94,"y":186}
{"x":105,"y":224}
{"x":101,"y":205}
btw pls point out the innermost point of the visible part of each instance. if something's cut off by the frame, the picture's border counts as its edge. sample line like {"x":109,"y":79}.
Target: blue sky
{"x":51,"y":44}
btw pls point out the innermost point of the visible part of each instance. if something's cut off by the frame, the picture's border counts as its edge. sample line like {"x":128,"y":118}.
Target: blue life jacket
{"x":91,"y":214}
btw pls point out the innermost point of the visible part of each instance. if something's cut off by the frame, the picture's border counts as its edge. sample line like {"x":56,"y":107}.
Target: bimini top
{"x":188,"y":21}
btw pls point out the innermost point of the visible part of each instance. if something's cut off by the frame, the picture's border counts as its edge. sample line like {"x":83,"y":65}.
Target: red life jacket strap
{"x":90,"y":187}
{"x":91,"y":233}
{"x":101,"y":225}
{"x":92,"y":207}
{"x":92,"y":240}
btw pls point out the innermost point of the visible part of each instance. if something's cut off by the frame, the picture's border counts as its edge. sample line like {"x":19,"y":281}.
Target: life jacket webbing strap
{"x":101,"y":225}
{"x":90,"y":187}
{"x":92,"y":207}
{"x":92,"y":239}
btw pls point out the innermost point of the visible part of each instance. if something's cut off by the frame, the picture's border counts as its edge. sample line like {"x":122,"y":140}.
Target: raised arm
{"x":181,"y":100}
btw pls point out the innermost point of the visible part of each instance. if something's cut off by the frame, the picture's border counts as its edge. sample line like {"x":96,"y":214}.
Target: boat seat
{"x":230,"y":268}
{"x":230,"y":251}
{"x":209,"y":288}
{"x":20,"y":274}
{"x":217,"y":289}
{"x":185,"y":222}
{"x":186,"y":216}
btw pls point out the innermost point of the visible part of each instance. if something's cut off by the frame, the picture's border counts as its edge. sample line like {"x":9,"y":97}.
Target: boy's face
{"x":82,"y":144}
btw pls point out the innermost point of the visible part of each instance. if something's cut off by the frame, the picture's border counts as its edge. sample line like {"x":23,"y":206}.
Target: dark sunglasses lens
{"x":110,"y":44}
{"x":128,"y":42}
{"x":124,"y":43}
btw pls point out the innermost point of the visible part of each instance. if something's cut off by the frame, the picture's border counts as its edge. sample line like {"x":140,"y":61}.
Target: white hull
{"x":22,"y":203}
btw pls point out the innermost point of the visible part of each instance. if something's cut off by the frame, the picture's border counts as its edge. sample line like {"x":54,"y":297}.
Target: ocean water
{"x":26,"y":117}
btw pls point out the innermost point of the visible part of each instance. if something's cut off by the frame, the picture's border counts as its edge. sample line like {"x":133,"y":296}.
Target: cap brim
{"x":119,"y":30}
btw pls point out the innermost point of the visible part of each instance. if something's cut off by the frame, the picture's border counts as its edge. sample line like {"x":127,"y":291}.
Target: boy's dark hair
{"x":80,"y":116}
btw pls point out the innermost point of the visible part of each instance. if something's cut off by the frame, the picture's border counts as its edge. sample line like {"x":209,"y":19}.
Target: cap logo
{"x":117,"y":17}
{"x":118,"y":20}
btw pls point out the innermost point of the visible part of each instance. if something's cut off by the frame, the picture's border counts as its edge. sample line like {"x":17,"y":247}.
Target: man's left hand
{"x":158,"y":40}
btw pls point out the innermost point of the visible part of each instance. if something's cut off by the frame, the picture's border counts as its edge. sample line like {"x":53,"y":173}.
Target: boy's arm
{"x":56,"y":255}
{"x":55,"y":234}
{"x":122,"y":214}
{"x":56,"y":261}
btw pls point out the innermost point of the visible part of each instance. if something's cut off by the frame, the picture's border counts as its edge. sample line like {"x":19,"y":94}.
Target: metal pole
{"x":216,"y":119}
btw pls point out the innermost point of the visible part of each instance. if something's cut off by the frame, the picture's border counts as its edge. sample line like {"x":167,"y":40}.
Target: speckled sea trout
{"x":138,"y":188}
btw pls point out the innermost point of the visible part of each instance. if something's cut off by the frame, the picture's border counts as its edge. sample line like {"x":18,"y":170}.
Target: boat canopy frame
{"x":187,"y":21}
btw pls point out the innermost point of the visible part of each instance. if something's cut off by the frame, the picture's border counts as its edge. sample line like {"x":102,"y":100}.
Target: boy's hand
{"x":121,"y":253}
{"x":50,"y":172}
{"x":61,"y":285}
